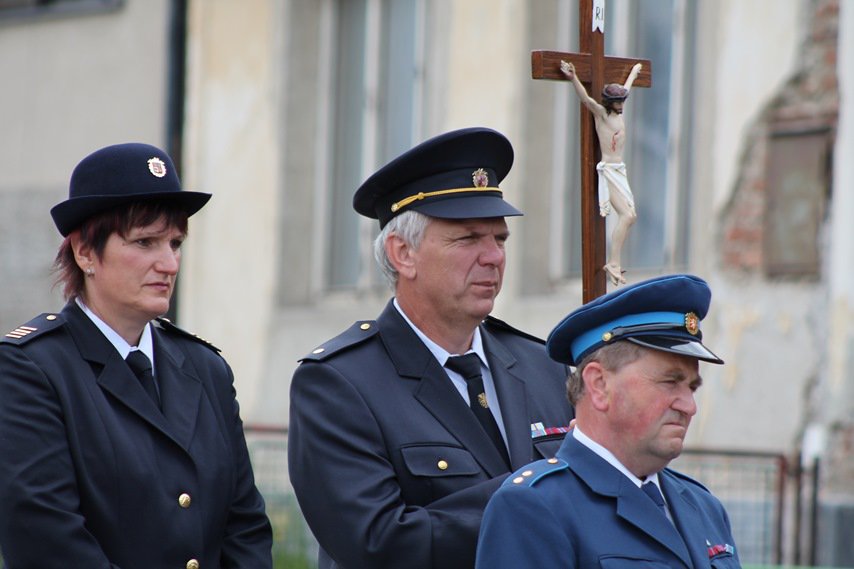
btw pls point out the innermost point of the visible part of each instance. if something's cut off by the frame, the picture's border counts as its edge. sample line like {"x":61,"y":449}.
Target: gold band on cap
{"x":421,"y":195}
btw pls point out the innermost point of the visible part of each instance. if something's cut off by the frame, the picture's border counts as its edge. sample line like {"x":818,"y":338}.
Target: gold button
{"x":192,"y":564}
{"x":318,"y":351}
{"x":443,"y":465}
{"x":552,"y":461}
{"x":51,"y":316}
{"x":365,"y":326}
{"x":184,"y":500}
{"x":527,"y":473}
{"x":518,"y":480}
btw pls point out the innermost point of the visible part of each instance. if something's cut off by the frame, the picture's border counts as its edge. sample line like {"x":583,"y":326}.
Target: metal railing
{"x":751,"y":487}
{"x":771,"y":501}
{"x":293,"y":545}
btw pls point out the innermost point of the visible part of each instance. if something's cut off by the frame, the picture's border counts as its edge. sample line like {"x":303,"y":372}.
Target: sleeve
{"x":348,"y":490}
{"x":248,"y":539}
{"x":520,"y":531}
{"x":41,"y":525}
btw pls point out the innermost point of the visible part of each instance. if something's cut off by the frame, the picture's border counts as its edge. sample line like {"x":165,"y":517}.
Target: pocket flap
{"x":439,"y":460}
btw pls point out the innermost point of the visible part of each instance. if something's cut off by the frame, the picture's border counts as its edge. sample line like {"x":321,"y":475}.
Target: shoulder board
{"x":352,"y":336}
{"x":685,"y":478}
{"x":534,"y":472}
{"x":167,"y":325}
{"x":494,"y":324}
{"x":39,"y":325}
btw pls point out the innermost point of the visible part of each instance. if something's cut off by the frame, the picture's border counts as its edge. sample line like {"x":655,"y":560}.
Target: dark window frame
{"x":37,"y":10}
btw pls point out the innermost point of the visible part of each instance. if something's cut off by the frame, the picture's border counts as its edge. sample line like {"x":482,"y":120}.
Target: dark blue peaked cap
{"x":451,"y":176}
{"x":663,"y":313}
{"x":118,"y":175}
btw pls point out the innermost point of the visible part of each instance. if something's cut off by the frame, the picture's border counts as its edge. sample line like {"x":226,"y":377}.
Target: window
{"x":377,"y":87}
{"x":798,"y":170}
{"x":658,"y":124}
{"x":33,"y":9}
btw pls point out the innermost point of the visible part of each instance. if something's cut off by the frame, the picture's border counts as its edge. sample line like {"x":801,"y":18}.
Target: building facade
{"x":280,"y":108}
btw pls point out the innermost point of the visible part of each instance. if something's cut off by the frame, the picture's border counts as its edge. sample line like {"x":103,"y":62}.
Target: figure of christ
{"x":614,"y":190}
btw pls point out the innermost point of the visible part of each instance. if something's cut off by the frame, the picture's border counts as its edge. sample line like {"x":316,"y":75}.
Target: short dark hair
{"x":95,"y":231}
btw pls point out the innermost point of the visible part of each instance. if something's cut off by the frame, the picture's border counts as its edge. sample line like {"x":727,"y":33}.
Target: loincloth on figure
{"x":615,"y":174}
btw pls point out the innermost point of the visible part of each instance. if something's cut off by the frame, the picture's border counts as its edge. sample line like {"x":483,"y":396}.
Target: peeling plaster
{"x":743,"y":320}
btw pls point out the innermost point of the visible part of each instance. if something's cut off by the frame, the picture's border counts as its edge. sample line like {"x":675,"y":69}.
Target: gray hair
{"x":409,"y":226}
{"x":611,"y":356}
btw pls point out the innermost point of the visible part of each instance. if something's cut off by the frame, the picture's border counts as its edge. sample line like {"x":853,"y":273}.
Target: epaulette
{"x":167,"y":325}
{"x":530,"y":474}
{"x":494,"y":323}
{"x":686,"y":478}
{"x":352,"y":336}
{"x":41,"y":324}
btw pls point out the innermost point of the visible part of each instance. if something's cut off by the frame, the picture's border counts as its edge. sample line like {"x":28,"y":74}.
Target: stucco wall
{"x":231,"y":151}
{"x":70,"y":85}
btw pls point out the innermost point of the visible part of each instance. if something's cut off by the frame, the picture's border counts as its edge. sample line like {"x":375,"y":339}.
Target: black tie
{"x":651,"y":490}
{"x":468,"y":366}
{"x":141,"y":367}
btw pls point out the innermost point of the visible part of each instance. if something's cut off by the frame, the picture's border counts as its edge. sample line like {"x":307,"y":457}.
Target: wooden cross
{"x":594,"y":70}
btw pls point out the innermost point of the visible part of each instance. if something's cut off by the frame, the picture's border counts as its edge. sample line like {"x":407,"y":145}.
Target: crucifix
{"x":594,"y":70}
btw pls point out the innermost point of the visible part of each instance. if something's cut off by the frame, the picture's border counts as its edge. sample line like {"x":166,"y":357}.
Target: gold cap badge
{"x":480,"y":178}
{"x":157,"y":167}
{"x":692,"y":323}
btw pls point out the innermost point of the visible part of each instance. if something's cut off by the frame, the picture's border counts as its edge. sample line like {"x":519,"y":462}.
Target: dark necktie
{"x":651,"y":490}
{"x":468,"y":366}
{"x":140,"y":365}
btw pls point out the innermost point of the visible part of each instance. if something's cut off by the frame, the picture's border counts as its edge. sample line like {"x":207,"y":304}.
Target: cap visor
{"x":692,"y":349}
{"x":473,"y":207}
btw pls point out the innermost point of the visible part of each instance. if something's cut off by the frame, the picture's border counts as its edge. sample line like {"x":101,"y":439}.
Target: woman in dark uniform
{"x":121,"y":444}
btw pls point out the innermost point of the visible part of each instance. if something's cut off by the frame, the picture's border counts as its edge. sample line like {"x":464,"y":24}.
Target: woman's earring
{"x":90,"y":271}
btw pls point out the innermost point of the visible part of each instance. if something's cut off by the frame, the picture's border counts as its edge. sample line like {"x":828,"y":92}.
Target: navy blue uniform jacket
{"x":578,"y":511}
{"x":91,"y":471}
{"x":389,"y":464}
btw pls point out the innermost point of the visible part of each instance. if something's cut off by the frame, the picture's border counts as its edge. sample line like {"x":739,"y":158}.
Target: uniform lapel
{"x":512,"y":399}
{"x":639,"y":510}
{"x":686,"y":516}
{"x":180,"y":389}
{"x":435,"y":391}
{"x":111,"y":372}
{"x":631,"y":504}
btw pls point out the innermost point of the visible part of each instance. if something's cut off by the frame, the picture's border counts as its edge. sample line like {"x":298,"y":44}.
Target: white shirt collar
{"x":440,"y":353}
{"x":609,"y":457}
{"x":146,"y":343}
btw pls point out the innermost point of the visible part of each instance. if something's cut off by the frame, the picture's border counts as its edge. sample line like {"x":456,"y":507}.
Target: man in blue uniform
{"x":402,"y":428}
{"x":606,"y":499}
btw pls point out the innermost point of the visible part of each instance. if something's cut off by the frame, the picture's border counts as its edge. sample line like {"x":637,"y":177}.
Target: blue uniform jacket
{"x":92,"y":473}
{"x":389,"y":464}
{"x":578,"y":511}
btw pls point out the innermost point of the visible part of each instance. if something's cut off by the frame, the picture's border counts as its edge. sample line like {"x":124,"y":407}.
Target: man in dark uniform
{"x":395,"y":442}
{"x":607,"y":499}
